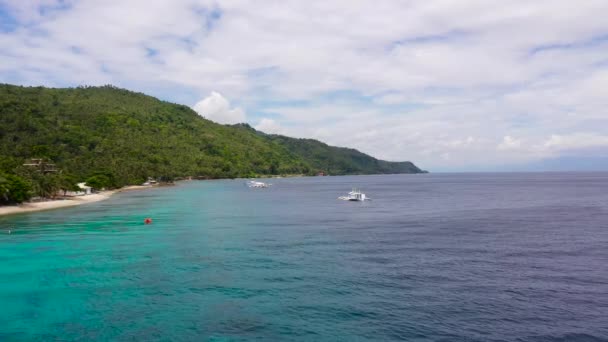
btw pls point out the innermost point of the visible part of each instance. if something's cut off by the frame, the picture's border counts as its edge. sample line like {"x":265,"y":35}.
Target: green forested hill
{"x":131,"y":136}
{"x":340,"y":160}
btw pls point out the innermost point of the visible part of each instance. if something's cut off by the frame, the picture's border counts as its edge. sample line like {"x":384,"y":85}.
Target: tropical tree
{"x":20,"y":190}
{"x":99,"y":182}
{"x":14,"y":189}
{"x":46,"y":185}
{"x":67,"y":182}
{"x":4,"y":188}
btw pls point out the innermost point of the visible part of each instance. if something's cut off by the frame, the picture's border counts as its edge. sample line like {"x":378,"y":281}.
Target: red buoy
{"x":147,"y":220}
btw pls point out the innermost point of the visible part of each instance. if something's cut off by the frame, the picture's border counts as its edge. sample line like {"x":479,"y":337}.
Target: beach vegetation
{"x":14,"y":189}
{"x":99,"y":182}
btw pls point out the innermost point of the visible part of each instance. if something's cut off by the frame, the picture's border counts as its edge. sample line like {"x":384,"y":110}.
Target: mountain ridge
{"x":131,"y":135}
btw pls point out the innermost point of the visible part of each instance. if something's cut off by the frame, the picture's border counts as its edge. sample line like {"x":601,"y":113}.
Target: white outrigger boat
{"x":256,"y":184}
{"x":356,"y":196}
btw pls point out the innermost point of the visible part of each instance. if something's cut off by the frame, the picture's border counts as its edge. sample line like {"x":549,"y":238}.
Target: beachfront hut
{"x":150,"y":181}
{"x":86,"y":190}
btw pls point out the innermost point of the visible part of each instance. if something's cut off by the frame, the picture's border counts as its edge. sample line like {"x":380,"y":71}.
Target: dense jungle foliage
{"x":114,"y":137}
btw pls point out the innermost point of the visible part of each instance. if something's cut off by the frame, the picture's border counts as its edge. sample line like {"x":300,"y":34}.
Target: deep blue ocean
{"x":434,"y":257}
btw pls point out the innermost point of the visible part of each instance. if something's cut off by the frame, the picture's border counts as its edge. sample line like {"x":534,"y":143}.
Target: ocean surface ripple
{"x":437,"y":257}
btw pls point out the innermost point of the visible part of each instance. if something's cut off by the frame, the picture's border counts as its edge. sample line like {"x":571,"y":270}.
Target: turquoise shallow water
{"x":484,"y":257}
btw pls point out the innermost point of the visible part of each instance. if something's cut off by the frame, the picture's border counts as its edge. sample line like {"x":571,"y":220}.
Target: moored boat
{"x":355,"y":196}
{"x":256,"y":184}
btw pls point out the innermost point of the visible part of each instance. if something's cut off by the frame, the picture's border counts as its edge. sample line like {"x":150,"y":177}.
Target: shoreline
{"x":29,"y":207}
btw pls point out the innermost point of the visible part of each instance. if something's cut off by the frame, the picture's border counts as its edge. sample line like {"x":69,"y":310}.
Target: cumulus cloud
{"x":269,"y":126}
{"x":216,"y":107}
{"x":509,"y":143}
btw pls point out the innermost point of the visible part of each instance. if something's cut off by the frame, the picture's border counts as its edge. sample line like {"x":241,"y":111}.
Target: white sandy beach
{"x":136,"y":187}
{"x":55,"y":204}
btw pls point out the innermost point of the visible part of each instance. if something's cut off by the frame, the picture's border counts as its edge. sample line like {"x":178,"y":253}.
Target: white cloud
{"x":391,"y":99}
{"x":575,"y":141}
{"x":461,"y":143}
{"x":216,"y":108}
{"x":269,"y":126}
{"x":509,"y":143}
{"x":411,"y":80}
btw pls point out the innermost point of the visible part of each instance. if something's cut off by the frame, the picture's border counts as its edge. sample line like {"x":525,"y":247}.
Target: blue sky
{"x":451,"y":85}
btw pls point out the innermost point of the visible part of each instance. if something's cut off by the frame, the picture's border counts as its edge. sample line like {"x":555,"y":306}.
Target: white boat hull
{"x":355,"y":196}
